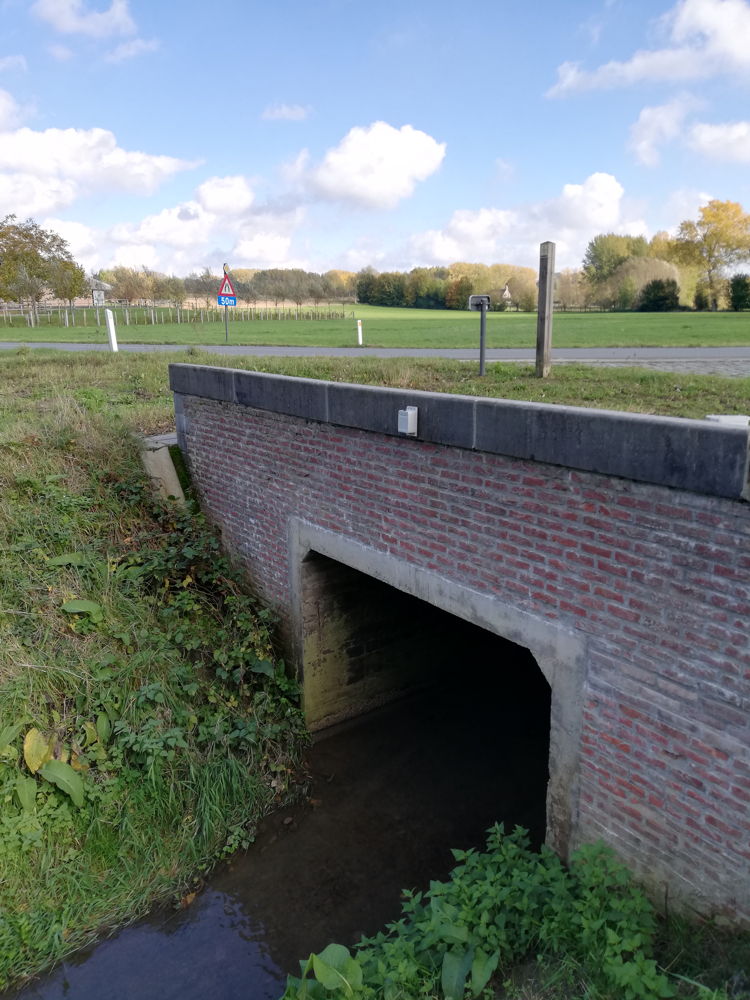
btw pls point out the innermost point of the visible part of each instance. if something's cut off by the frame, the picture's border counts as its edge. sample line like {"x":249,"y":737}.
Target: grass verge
{"x":421,"y":328}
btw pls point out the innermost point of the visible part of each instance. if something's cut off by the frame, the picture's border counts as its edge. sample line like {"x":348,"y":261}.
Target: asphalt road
{"x":733,"y":361}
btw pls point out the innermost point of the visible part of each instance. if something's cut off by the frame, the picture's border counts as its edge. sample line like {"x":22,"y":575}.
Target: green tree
{"x":606,"y":252}
{"x":659,"y":295}
{"x":67,"y":280}
{"x":739,"y":291}
{"x":28,"y":257}
{"x":717,"y":241}
{"x":365,"y":284}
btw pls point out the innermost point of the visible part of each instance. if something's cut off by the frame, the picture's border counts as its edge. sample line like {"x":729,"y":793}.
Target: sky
{"x":344,"y":133}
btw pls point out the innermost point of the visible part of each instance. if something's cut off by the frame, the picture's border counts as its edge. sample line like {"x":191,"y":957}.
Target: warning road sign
{"x":226,"y":287}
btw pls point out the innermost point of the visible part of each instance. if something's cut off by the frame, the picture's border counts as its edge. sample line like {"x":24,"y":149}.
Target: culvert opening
{"x":428,"y":730}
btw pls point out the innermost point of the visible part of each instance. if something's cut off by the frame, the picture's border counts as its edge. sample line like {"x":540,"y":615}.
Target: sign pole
{"x":481,"y":303}
{"x":544,"y":309}
{"x":482,"y":336}
{"x":226,"y":324}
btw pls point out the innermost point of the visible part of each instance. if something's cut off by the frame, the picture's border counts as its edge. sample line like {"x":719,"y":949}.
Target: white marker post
{"x":359,"y":332}
{"x":109,"y":316}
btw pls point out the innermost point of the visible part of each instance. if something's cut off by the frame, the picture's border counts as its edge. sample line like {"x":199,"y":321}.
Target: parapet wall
{"x":615,"y":546}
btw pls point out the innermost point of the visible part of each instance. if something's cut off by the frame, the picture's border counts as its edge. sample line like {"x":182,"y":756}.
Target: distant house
{"x":99,"y":290}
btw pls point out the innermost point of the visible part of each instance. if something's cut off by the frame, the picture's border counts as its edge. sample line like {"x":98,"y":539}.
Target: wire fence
{"x":93,"y":316}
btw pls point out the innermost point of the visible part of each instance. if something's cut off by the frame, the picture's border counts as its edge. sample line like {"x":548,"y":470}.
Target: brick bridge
{"x":615,"y":547}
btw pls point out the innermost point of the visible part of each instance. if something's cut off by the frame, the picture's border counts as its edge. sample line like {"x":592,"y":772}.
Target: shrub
{"x":739,"y":292}
{"x":659,"y":295}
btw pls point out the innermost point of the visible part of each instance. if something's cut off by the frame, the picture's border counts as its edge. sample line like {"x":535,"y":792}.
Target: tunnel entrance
{"x":478,"y":701}
{"x":369,"y":628}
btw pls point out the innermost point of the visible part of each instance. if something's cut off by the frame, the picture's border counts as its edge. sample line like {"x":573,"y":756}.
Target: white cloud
{"x":13,"y":62}
{"x":10,"y":111}
{"x":70,"y":17}
{"x":73,"y":162}
{"x":709,"y":37}
{"x":376,"y":167}
{"x":286,"y":112}
{"x":129,"y":50}
{"x":81,"y":239}
{"x":135,"y":255}
{"x":180,"y":226}
{"x":493,"y":234}
{"x":658,"y":125}
{"x":225,"y":195}
{"x":729,"y":142}
{"x":27,"y":195}
{"x":263,"y":249}
{"x":219,"y":222}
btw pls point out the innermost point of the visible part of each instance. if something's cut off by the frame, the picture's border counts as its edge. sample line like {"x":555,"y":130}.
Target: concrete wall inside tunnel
{"x":613,"y":546}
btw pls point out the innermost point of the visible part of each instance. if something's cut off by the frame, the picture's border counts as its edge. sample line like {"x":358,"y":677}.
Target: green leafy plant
{"x":499,"y":908}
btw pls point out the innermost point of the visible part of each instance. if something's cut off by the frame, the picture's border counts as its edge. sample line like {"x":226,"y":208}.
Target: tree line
{"x":696,"y":268}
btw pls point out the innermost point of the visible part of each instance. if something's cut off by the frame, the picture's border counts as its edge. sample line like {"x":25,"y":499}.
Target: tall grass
{"x":145,"y":715}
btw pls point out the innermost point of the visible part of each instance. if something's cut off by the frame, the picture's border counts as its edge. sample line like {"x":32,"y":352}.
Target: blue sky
{"x":341,"y":133}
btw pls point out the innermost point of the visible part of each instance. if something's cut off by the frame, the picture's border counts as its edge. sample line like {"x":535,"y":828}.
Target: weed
{"x":512,"y":923}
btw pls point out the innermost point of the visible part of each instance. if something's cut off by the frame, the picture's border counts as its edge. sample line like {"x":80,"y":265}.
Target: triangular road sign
{"x":226,"y":287}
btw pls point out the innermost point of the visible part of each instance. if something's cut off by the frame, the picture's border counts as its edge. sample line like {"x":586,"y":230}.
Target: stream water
{"x":390,"y":795}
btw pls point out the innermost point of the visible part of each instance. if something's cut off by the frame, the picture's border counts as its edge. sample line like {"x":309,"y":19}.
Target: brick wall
{"x":654,"y":579}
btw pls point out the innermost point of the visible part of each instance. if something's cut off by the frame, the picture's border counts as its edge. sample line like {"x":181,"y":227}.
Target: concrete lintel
{"x":202,"y":380}
{"x":697,"y":455}
{"x":669,"y":451}
{"x":297,"y":397}
{"x":442,"y":418}
{"x":560,"y":653}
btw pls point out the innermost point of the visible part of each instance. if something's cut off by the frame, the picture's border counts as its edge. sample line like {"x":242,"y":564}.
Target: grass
{"x":175,"y":752}
{"x":425,"y":328}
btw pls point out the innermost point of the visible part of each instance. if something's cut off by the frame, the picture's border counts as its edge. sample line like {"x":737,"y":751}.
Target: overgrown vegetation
{"x":517,"y":924}
{"x":146,"y":723}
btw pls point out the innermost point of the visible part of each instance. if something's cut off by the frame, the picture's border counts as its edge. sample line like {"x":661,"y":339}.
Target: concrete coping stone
{"x":701,"y":456}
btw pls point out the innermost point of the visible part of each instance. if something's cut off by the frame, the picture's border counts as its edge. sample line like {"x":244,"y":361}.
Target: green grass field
{"x":424,"y":328}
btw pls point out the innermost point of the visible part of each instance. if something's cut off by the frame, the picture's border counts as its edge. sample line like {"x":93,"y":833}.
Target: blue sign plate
{"x":227,"y":300}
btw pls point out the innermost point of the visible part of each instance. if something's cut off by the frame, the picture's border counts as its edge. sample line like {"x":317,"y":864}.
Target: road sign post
{"x":482,"y":303}
{"x":226,"y":297}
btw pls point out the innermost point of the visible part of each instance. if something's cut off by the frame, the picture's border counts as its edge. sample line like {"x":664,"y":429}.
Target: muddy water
{"x":388,"y":798}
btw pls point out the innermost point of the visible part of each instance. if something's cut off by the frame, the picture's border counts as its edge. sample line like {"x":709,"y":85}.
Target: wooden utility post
{"x":544,"y":311}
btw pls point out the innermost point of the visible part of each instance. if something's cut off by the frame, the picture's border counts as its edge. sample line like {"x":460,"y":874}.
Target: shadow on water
{"x":390,"y":795}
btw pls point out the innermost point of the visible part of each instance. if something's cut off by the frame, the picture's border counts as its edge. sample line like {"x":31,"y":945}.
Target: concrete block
{"x":298,"y":397}
{"x":202,"y":380}
{"x":687,"y":454}
{"x":442,"y":419}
